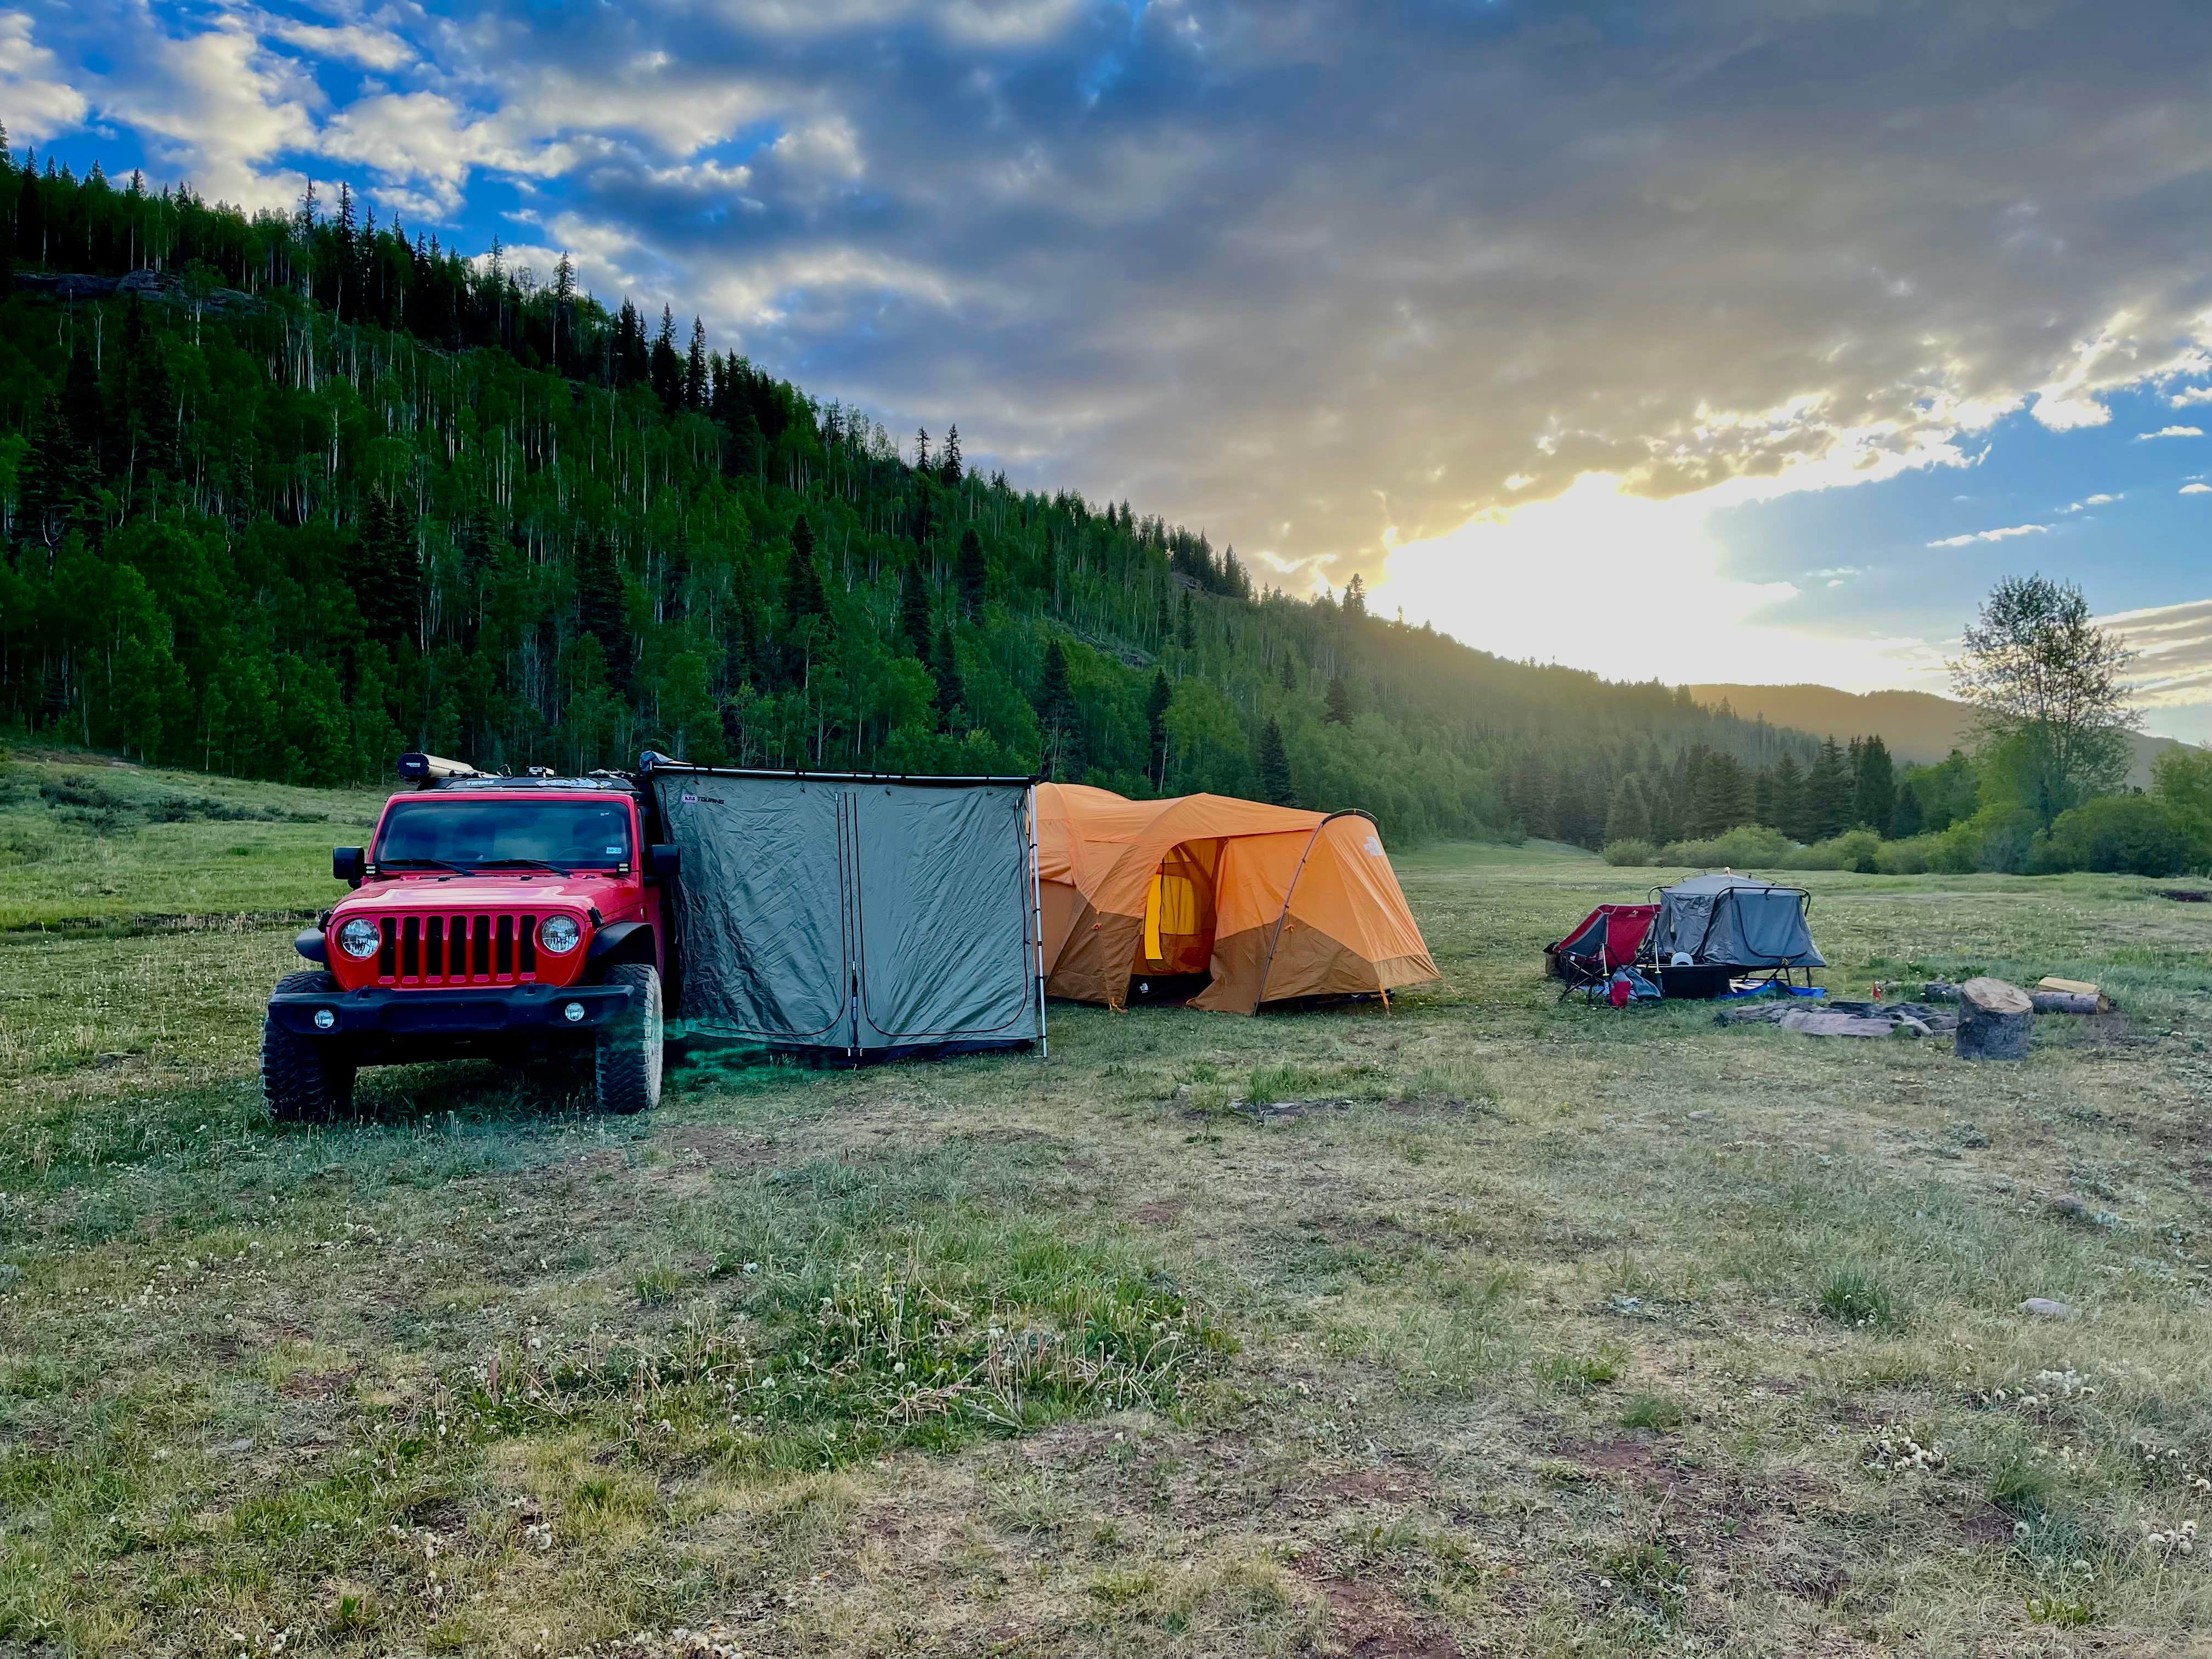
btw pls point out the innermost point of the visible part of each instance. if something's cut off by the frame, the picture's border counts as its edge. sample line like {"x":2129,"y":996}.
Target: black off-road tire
{"x":304,"y":1080}
{"x":627,"y":1062}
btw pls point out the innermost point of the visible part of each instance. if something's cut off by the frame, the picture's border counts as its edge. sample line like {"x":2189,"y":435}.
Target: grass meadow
{"x":1484,"y":1325}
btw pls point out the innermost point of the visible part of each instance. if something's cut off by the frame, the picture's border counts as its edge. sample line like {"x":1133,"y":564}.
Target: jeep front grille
{"x":458,"y":949}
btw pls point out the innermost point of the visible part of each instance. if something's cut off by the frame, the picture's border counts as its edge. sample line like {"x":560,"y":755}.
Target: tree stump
{"x":1994,"y":1018}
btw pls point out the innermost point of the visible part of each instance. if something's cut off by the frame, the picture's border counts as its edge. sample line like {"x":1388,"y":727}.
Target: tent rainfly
{"x":1240,"y":902}
{"x":871,"y":916}
{"x":1736,"y":922}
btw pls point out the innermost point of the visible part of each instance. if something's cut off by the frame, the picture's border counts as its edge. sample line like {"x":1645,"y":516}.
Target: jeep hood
{"x":480,"y":893}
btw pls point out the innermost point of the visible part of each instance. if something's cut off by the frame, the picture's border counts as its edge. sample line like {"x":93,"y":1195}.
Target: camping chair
{"x":1612,"y":936}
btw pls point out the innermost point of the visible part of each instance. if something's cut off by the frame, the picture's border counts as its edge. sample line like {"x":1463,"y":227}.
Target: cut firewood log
{"x":2045,"y":1002}
{"x":2080,"y":987}
{"x":2068,"y":1002}
{"x":1995,"y":1016}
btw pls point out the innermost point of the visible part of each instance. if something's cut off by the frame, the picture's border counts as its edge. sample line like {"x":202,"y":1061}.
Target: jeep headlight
{"x":558,"y":935}
{"x":360,"y":938}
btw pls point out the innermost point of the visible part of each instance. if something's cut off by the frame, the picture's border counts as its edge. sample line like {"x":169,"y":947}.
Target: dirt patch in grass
{"x":1381,"y":1486}
{"x":318,"y":1385}
{"x":1643,"y":1461}
{"x":1367,"y":1621}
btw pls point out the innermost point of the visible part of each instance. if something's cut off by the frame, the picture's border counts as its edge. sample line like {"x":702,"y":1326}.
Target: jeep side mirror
{"x":662,"y":863}
{"x":349,"y":864}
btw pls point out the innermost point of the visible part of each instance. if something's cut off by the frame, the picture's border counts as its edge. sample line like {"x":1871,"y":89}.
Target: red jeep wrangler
{"x":511,"y":918}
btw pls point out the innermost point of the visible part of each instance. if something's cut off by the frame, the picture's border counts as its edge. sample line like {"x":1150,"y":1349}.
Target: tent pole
{"x":1037,"y":925}
{"x":1290,"y":892}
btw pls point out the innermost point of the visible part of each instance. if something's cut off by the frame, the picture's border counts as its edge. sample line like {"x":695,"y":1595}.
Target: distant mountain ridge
{"x":1917,"y":725}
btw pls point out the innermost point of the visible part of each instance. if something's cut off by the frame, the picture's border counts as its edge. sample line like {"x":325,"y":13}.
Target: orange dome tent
{"x":1275,"y":904}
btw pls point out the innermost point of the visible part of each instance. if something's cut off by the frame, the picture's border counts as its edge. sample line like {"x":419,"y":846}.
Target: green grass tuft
{"x":1579,"y":1373}
{"x":1652,"y":1411}
{"x":1855,"y":1299}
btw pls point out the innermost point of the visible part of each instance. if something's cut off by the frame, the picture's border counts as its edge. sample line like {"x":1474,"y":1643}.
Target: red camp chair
{"x":1609,"y":936}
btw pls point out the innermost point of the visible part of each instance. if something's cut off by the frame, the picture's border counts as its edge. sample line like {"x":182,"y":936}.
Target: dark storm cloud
{"x":1304,"y":271}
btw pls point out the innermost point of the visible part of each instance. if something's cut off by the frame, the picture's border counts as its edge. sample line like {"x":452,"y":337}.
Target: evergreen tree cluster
{"x":285,"y":494}
{"x":1702,"y":793}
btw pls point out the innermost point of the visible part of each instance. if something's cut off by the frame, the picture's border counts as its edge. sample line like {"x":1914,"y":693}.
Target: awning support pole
{"x":1290,"y":892}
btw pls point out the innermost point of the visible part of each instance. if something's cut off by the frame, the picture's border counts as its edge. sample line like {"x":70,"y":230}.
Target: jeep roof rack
{"x":433,"y":772}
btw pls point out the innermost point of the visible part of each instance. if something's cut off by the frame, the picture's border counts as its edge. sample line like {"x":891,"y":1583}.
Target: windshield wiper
{"x":523,"y":863}
{"x":423,"y":864}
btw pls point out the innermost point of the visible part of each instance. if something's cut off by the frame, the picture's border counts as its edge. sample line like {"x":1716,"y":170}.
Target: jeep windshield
{"x":470,"y":836}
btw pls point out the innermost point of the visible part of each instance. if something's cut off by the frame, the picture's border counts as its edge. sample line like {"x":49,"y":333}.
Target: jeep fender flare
{"x":625,"y":941}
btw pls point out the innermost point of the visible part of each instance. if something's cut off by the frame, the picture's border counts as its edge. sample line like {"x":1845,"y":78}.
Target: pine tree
{"x":1187,"y":625}
{"x":1340,"y":701}
{"x":1275,"y":766}
{"x":1573,"y":820}
{"x":804,"y":597}
{"x":1059,"y":717}
{"x":1157,"y":704}
{"x":1289,"y":677}
{"x":950,"y":470}
{"x":1907,"y":819}
{"x":1355,"y":596}
{"x":1724,"y":795}
{"x":1529,"y":795}
{"x":1628,"y":818}
{"x":971,"y":575}
{"x":913,"y":607}
{"x":1874,"y":794}
{"x":667,"y":369}
{"x":946,"y":669}
{"x":695,"y":368}
{"x":1788,"y":793}
{"x":148,"y":406}
{"x":345,"y":300}
{"x":85,"y":410}
{"x":56,"y":485}
{"x":388,"y":574}
{"x":1829,"y":791}
{"x":602,"y":605}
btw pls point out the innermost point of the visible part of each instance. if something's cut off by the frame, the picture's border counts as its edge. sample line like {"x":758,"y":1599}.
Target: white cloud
{"x":221,"y":107}
{"x":2172,"y":668}
{"x":37,"y":101}
{"x":352,"y":43}
{"x":2190,"y":394}
{"x":425,"y":145}
{"x":823,"y":154}
{"x":2004,"y":535}
{"x":2088,"y":501}
{"x":2196,"y":489}
{"x":681,"y":111}
{"x":2171,"y":432}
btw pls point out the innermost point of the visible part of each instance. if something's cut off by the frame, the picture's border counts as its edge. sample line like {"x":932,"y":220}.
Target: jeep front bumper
{"x":468,"y":1011}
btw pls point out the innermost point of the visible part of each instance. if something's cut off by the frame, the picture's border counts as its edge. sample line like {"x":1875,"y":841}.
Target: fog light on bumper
{"x":573,"y":1013}
{"x":325,"y":1020}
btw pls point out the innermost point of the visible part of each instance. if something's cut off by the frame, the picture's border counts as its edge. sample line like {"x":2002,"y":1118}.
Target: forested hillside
{"x":285,"y":495}
{"x":1918,"y":728}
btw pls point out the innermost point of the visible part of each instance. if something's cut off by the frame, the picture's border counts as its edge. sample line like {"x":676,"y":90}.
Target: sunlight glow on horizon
{"x":1632,"y":589}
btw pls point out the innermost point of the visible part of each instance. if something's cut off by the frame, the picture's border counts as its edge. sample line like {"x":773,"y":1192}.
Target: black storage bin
{"x":1694,"y":984}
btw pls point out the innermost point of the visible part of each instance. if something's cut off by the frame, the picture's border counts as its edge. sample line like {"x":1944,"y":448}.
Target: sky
{"x":1739,"y":340}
